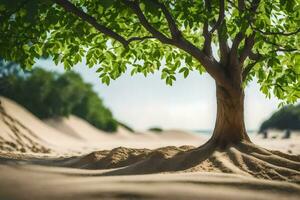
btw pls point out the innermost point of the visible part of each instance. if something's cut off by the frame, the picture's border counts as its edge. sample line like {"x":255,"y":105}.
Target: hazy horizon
{"x":189,"y":104}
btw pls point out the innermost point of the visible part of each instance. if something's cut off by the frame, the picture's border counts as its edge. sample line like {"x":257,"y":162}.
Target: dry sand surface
{"x":63,"y":183}
{"x":67,"y":158}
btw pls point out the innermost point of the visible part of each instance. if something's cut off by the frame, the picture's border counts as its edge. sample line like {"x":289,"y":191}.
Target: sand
{"x":22,"y":132}
{"x":67,"y":158}
{"x":63,"y":183}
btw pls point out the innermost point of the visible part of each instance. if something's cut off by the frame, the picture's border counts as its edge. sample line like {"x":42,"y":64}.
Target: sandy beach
{"x":149,"y":99}
{"x":67,"y":158}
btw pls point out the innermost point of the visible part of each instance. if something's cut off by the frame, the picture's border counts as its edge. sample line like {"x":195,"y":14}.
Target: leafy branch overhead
{"x":253,"y":38}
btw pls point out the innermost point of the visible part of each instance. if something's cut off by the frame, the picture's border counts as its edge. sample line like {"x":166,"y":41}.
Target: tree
{"x":67,"y":91}
{"x":7,"y":68}
{"x":33,"y":91}
{"x":92,"y":109}
{"x":9,"y":71}
{"x":287,"y":117}
{"x":232,"y":40}
{"x":49,"y":94}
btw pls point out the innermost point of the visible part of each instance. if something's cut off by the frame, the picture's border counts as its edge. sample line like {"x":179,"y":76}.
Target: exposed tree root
{"x":243,"y":158}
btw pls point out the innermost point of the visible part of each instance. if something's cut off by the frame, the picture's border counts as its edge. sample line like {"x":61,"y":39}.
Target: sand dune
{"x":61,"y":135}
{"x":75,"y":127}
{"x":74,"y":160}
{"x":19,"y":125}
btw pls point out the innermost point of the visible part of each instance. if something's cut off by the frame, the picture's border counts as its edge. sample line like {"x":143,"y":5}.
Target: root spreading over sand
{"x":245,"y":159}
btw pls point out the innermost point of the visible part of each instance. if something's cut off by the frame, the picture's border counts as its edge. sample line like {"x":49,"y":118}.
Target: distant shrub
{"x":48,"y":94}
{"x":155,"y":129}
{"x":287,"y":117}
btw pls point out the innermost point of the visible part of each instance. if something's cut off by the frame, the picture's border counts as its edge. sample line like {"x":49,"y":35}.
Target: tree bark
{"x":229,"y":126}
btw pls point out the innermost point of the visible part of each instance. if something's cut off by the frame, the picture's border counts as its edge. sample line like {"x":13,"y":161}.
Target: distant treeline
{"x":49,"y":94}
{"x":287,"y":117}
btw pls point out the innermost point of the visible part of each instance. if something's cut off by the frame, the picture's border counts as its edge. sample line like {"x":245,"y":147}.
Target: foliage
{"x":91,"y":109}
{"x":143,"y":35}
{"x":47,"y":94}
{"x":155,"y":129}
{"x":287,"y":117}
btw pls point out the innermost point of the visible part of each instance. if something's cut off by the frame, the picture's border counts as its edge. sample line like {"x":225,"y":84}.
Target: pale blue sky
{"x":189,"y":104}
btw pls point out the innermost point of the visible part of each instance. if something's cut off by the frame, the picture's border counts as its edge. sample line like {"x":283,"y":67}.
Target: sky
{"x":189,"y":104}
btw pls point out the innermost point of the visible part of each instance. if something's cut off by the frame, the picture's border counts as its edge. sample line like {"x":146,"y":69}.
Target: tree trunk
{"x":229,"y":126}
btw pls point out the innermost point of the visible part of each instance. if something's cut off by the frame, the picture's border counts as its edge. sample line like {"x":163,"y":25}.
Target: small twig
{"x":275,"y":33}
{"x":139,"y":38}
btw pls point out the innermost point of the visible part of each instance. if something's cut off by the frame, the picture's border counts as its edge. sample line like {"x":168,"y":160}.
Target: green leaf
{"x":106,"y":3}
{"x":186,"y":73}
{"x":100,"y":69}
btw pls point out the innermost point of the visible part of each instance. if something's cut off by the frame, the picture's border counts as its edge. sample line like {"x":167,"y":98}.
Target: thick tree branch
{"x":241,"y":35}
{"x":247,"y":70}
{"x":223,"y":44}
{"x":210,"y":64}
{"x":256,"y":57}
{"x":249,"y":43}
{"x":175,"y":32}
{"x":70,"y":7}
{"x":220,"y":18}
{"x":207,"y":42}
{"x":222,"y":34}
{"x":220,"y":26}
{"x":206,"y":34}
{"x":234,"y":48}
{"x":134,"y":5}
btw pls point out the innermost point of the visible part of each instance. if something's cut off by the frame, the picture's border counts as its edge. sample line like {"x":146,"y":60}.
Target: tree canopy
{"x":287,"y":117}
{"x":48,"y":94}
{"x":259,"y":37}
